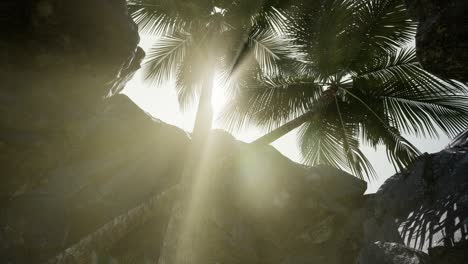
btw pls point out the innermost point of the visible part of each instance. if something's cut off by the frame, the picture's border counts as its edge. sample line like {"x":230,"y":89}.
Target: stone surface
{"x":426,"y":206}
{"x":457,"y":254}
{"x":58,"y":60}
{"x":442,"y":36}
{"x":262,"y":207}
{"x":434,"y":208}
{"x":391,"y":253}
{"x":72,"y":159}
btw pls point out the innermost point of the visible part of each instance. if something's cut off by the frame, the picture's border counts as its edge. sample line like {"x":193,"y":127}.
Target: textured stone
{"x":426,"y":206}
{"x":72,"y":161}
{"x":58,"y":60}
{"x":391,"y":253}
{"x":457,"y":254}
{"x":442,"y":36}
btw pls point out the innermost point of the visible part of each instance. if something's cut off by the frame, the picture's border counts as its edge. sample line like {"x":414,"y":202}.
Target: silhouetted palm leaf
{"x":269,"y":102}
{"x":381,"y":90}
{"x":165,"y":56}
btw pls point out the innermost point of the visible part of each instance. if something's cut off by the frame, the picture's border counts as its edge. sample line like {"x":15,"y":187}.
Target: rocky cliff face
{"x":427,"y":206}
{"x":442,"y":37}
{"x":73,"y":159}
{"x":58,"y":61}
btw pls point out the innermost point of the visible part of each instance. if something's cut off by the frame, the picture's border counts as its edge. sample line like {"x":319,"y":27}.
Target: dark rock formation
{"x":427,"y":205}
{"x":72,"y":160}
{"x":262,"y":206}
{"x":458,"y":254}
{"x":391,"y":253}
{"x":442,"y":37}
{"x":58,"y":60}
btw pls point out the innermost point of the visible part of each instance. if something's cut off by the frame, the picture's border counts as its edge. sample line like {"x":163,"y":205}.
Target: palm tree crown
{"x":356,"y":85}
{"x":200,"y":39}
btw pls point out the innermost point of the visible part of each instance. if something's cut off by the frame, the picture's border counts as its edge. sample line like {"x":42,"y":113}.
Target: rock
{"x":122,"y":157}
{"x":73,"y":159}
{"x":58,"y":60}
{"x":442,"y":36}
{"x":260,"y":211}
{"x":391,"y":253}
{"x":434,"y":205}
{"x":457,"y":254}
{"x":75,"y":155}
{"x":460,"y":141}
{"x":425,"y":207}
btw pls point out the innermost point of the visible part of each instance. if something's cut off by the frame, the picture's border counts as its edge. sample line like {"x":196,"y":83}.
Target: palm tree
{"x":354,"y":83}
{"x":357,"y":86}
{"x":197,"y":40}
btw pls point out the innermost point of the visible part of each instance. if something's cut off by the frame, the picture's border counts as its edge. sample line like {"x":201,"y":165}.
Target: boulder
{"x":425,"y":207}
{"x":442,"y":36}
{"x":391,"y":253}
{"x":457,"y":254}
{"x":58,"y":61}
{"x":75,"y":154}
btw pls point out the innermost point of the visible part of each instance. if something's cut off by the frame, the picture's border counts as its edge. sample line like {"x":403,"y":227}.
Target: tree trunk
{"x":284,"y":129}
{"x":105,"y":237}
{"x":178,"y":240}
{"x":204,"y":117}
{"x":327,"y":97}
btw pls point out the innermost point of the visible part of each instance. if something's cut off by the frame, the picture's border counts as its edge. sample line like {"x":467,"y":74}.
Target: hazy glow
{"x":161,"y":102}
{"x":219,"y":97}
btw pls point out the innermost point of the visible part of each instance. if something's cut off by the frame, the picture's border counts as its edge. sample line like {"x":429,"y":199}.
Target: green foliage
{"x":194,"y":37}
{"x":283,"y":59}
{"x":353,"y":51}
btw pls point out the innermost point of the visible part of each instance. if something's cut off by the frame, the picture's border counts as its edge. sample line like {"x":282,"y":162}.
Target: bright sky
{"x":161,"y":102}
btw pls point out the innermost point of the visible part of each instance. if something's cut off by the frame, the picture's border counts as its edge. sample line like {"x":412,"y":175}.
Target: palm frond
{"x":324,"y":34}
{"x":155,"y":19}
{"x":418,"y":115}
{"x":400,"y":152}
{"x":269,"y":37}
{"x":357,"y":161}
{"x":401,"y":66}
{"x":320,"y":144}
{"x":189,"y":79}
{"x":268,"y":48}
{"x":269,"y":103}
{"x":379,"y":26}
{"x":414,"y":100}
{"x":165,"y":56}
{"x":377,"y":129}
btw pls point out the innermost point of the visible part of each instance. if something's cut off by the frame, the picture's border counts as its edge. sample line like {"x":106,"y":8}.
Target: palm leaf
{"x":269,"y":103}
{"x":401,"y":66}
{"x":379,"y":26}
{"x":155,"y":19}
{"x":269,"y":48}
{"x":377,"y":129}
{"x":165,"y":56}
{"x":357,"y":161}
{"x":324,"y":34}
{"x":414,"y":100}
{"x":320,"y":144}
